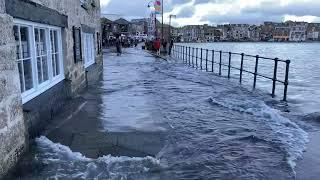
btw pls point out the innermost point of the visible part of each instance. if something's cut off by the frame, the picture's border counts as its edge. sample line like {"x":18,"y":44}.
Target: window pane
{"x":20,"y":66}
{"x":57,"y":64}
{"x":24,"y":33}
{"x":39,"y":67}
{"x":55,"y":52}
{"x":56,"y":41}
{"x":43,"y":49}
{"x":17,"y":41}
{"x":52,"y":41}
{"x":28,"y":74}
{"x":45,"y":68}
{"x":53,"y":65}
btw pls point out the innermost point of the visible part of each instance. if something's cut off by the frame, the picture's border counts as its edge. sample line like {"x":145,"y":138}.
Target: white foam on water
{"x":288,"y":133}
{"x":76,"y":165}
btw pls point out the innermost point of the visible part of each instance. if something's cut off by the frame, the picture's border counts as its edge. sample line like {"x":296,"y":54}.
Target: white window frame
{"x":88,"y":53}
{"x":40,"y":88}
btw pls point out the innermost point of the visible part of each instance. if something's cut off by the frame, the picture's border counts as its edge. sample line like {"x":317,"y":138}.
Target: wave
{"x":292,"y":138}
{"x":62,"y":162}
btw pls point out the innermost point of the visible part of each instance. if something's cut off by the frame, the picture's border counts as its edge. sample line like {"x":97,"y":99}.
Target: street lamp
{"x":170,"y":16}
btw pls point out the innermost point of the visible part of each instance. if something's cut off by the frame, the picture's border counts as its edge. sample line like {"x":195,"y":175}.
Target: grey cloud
{"x":248,"y":18}
{"x":186,"y":12}
{"x":298,"y":9}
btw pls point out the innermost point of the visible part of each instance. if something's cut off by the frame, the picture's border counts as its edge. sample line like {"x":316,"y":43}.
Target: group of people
{"x":154,"y":45}
{"x":125,"y":42}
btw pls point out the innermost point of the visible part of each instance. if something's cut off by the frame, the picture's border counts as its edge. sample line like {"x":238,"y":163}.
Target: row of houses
{"x":269,"y":31}
{"x":122,"y":26}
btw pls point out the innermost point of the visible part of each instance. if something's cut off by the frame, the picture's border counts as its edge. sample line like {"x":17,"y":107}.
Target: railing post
{"x":255,"y":72}
{"x":193,"y":57}
{"x":229,"y":65}
{"x":220,"y":63}
{"x":212,"y":61}
{"x":189,"y":56}
{"x":196,"y":57}
{"x":274,"y":79}
{"x":201,"y":59}
{"x":182,"y":49}
{"x":207,"y":51}
{"x":186,"y":55}
{"x":286,"y":81}
{"x":241,"y":67}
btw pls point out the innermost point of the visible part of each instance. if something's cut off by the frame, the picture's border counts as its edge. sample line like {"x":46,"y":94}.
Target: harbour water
{"x":304,"y":76}
{"x":215,"y":128}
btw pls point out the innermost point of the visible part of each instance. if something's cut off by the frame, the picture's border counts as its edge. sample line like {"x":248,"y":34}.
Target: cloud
{"x":220,"y":11}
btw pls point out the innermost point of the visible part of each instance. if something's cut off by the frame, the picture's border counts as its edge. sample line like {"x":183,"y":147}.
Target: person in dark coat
{"x":118,"y":46}
{"x":170,"y":46}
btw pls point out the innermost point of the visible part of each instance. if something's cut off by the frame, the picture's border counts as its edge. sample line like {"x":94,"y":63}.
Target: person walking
{"x":118,"y":46}
{"x":170,"y":46}
{"x":157,"y":46}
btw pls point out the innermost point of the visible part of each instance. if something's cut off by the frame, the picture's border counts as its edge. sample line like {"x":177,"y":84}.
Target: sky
{"x":213,"y":12}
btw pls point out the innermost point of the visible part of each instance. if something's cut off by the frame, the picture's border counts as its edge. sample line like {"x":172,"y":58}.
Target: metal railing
{"x":190,"y":56}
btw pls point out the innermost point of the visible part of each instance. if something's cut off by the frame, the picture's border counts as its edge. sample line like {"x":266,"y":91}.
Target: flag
{"x":157,"y":7}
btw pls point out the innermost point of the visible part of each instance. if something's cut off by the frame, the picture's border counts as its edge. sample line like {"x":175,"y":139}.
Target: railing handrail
{"x":185,"y":53}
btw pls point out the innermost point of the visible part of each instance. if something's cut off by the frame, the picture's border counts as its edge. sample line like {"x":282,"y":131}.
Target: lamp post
{"x":170,"y":16}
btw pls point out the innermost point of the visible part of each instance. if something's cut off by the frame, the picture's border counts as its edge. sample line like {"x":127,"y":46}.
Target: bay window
{"x":39,"y":57}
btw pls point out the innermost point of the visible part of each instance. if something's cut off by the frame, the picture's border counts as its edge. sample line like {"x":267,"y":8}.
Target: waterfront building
{"x":227,"y":32}
{"x":240,"y":32}
{"x":209,"y":35}
{"x":50,"y":51}
{"x":192,"y":33}
{"x":281,"y":32}
{"x":267,"y":29}
{"x":313,"y":32}
{"x":298,"y":31}
{"x":254,"y":33}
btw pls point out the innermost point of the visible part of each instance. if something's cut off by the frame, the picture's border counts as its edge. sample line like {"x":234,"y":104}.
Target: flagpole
{"x":162,"y":21}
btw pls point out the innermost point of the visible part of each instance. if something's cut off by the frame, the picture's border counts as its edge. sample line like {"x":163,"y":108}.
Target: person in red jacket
{"x":157,"y":45}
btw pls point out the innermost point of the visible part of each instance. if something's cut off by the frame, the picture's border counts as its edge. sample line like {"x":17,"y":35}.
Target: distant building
{"x":313,"y":32}
{"x":267,"y":29}
{"x":192,"y":33}
{"x":143,"y":22}
{"x":122,"y":26}
{"x":137,"y":29}
{"x":254,"y":33}
{"x":298,"y":31}
{"x":282,"y":32}
{"x":240,"y":32}
{"x":227,"y":33}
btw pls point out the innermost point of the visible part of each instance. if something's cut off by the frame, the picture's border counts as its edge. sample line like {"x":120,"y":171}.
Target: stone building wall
{"x":19,"y":122}
{"x":12,"y":128}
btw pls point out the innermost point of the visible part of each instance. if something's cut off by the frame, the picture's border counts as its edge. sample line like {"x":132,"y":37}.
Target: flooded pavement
{"x":155,"y":119}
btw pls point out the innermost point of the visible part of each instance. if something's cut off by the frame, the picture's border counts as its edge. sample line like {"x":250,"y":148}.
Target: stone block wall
{"x":16,"y":123}
{"x":12,"y":127}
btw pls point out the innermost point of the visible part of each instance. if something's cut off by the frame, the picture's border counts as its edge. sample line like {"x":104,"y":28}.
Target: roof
{"x":122,"y":21}
{"x":106,"y":21}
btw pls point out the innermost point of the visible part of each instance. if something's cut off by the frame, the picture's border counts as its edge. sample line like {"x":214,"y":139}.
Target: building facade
{"x":298,"y":31}
{"x":50,"y":51}
{"x":281,"y":33}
